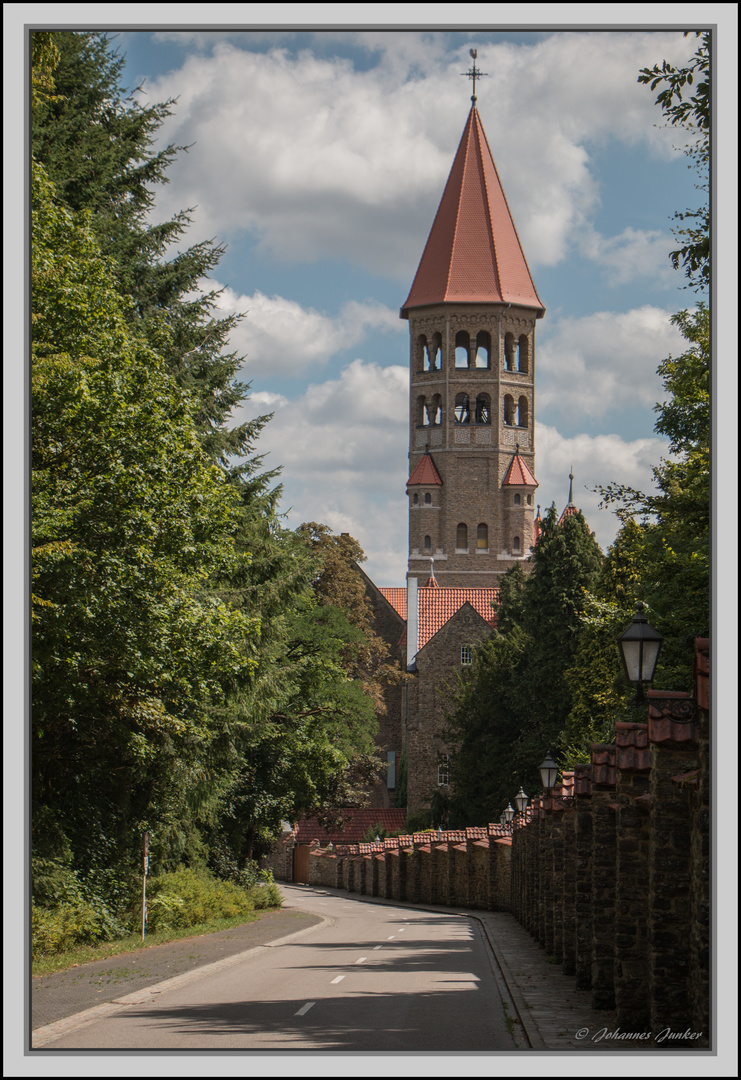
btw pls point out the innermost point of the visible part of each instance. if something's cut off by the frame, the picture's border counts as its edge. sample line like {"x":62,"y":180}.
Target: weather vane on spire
{"x":474,"y":74}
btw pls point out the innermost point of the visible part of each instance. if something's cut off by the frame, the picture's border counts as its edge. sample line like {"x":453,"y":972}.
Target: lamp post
{"x":548,"y":776}
{"x":639,"y":647}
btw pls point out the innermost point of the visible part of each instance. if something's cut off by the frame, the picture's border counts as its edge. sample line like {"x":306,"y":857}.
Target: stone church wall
{"x":429,"y":697}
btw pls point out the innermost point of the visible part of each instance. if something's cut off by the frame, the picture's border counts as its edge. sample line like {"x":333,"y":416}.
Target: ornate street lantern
{"x":521,"y":801}
{"x":639,"y":647}
{"x":548,"y":773}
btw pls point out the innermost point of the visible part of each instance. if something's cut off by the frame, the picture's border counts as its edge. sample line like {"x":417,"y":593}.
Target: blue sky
{"x":319,"y":158}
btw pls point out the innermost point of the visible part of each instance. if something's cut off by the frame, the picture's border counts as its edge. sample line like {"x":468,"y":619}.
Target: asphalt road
{"x":84,"y":986}
{"x":372,"y":977}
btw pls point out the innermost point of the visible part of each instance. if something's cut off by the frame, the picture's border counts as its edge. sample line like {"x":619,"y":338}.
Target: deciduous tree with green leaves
{"x":131,"y":518}
{"x":685,"y":103}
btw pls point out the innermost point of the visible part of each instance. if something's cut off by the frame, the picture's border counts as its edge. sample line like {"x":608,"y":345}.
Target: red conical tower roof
{"x":473,"y":253}
{"x":518,"y":474}
{"x":425,"y":473}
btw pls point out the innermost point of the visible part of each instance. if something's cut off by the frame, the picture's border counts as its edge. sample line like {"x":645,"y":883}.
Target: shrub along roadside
{"x":184,"y":900}
{"x":132,"y":943}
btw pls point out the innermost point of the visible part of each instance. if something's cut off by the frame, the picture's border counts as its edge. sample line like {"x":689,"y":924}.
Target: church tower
{"x":472,"y":311}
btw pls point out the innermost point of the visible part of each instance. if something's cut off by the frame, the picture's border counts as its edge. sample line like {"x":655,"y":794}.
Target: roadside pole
{"x":144,"y":887}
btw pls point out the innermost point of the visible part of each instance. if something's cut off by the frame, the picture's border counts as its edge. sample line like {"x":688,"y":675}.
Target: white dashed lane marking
{"x":338,"y":979}
{"x":361,"y":960}
{"x":305,"y":1008}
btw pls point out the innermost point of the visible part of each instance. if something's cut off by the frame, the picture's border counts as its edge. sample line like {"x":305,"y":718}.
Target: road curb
{"x":50,"y":1032}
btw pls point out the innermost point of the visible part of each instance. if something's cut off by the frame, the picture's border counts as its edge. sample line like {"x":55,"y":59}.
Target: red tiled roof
{"x":568,"y":511}
{"x":398,"y":600}
{"x":473,"y":253}
{"x":356,"y":822}
{"x":424,"y":472}
{"x":603,"y":764}
{"x":670,"y":717}
{"x":519,"y":474}
{"x":438,"y":605}
{"x":632,"y":749}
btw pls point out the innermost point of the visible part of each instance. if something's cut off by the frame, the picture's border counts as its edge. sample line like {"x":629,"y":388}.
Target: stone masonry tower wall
{"x":471,"y":407}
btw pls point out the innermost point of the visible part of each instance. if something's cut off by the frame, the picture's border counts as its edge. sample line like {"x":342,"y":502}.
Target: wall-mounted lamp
{"x":639,"y":647}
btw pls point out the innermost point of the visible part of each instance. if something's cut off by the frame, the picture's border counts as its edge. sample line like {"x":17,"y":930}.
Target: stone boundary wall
{"x":611,"y":875}
{"x":467,"y":867}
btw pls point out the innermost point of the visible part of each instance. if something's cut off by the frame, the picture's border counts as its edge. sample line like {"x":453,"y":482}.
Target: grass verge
{"x":86,"y":954}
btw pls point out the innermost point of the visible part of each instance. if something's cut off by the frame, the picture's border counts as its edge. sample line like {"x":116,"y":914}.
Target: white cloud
{"x":279,"y":337}
{"x":591,"y":367}
{"x":343,"y":449}
{"x":319,"y":159}
{"x":596,"y":460}
{"x":629,"y":256}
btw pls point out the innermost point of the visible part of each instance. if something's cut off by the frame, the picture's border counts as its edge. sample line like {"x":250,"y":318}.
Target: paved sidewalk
{"x":555,"y":1015}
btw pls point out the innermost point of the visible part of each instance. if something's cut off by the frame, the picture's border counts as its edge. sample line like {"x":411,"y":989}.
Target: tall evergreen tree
{"x":514,"y":701}
{"x":96,"y":142}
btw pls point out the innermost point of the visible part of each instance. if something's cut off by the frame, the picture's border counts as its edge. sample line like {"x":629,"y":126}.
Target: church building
{"x":472,"y":312}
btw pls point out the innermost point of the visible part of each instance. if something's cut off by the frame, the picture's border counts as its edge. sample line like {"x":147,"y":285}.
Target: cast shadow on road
{"x":465,"y":1019}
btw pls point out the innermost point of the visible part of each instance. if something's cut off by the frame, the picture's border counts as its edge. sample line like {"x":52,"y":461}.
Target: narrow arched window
{"x":523,"y":354}
{"x":529,"y":500}
{"x":483,"y":348}
{"x":421,"y":410}
{"x":437,"y":351}
{"x":482,"y":537}
{"x":443,"y":765}
{"x":461,"y":537}
{"x":483,"y":409}
{"x":509,"y":352}
{"x":428,"y":498}
{"x":516,"y":545}
{"x":518,"y":500}
{"x":522,"y":412}
{"x":462,"y":347}
{"x":423,"y":356}
{"x":428,"y":544}
{"x":462,"y":409}
{"x":435,"y":409}
{"x":509,"y":409}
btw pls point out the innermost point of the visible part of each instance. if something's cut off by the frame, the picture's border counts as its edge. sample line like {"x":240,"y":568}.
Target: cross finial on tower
{"x":474,"y":74}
